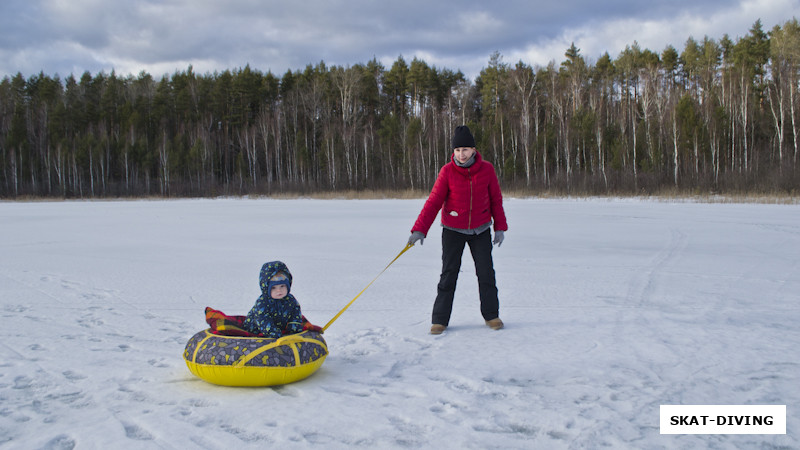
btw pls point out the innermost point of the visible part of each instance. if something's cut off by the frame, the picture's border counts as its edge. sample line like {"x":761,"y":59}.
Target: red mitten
{"x":308,"y":326}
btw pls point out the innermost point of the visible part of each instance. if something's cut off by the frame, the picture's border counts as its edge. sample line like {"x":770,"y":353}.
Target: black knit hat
{"x":463,"y":138}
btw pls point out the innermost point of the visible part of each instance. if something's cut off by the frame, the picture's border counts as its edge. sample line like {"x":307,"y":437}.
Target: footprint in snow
{"x":133,"y":431}
{"x":74,"y":376}
{"x":60,"y":442}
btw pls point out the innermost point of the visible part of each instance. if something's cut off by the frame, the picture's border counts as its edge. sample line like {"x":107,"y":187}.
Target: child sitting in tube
{"x":276,"y":312}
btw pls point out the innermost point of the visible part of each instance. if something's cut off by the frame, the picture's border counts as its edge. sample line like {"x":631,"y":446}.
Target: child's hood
{"x":268,"y":270}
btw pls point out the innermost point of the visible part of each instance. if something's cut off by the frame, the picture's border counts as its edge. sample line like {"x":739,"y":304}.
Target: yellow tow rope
{"x":362,"y":291}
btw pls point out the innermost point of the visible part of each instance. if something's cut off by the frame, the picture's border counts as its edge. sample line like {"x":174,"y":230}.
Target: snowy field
{"x":612,"y":308}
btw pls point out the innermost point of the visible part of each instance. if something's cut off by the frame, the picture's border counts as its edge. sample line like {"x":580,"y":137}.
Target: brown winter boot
{"x":495,"y":324}
{"x":437,"y":328}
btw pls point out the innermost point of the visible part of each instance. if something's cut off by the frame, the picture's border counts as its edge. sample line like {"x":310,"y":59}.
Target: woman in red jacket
{"x":468,"y":194}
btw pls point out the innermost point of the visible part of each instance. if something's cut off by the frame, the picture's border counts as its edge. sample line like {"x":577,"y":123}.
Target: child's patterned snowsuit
{"x":274,"y":317}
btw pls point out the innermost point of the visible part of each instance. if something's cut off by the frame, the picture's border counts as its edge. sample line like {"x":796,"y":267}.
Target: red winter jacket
{"x":468,"y":198}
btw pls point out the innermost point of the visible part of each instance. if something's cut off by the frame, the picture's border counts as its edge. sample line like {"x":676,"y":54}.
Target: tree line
{"x":716,"y":116}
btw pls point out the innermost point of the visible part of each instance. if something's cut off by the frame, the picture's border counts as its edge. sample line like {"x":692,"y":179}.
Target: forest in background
{"x":716,"y":116}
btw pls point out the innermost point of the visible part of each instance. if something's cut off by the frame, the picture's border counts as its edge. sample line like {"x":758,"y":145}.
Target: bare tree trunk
{"x":264,"y":124}
{"x":14,"y":176}
{"x":715,"y":156}
{"x":794,"y":124}
{"x":675,"y":148}
{"x":59,"y":167}
{"x":163,"y":159}
{"x":329,"y":145}
{"x":346,"y":80}
{"x":745,"y":89}
{"x":778,"y":119}
{"x":525,"y":83}
{"x":634,"y":162}
{"x":601,"y":161}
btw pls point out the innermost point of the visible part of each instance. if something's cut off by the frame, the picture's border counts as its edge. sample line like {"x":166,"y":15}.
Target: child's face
{"x":463,"y":154}
{"x":279,"y":291}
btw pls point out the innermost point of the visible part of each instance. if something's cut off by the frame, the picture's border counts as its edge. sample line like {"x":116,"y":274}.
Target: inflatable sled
{"x":254,"y":361}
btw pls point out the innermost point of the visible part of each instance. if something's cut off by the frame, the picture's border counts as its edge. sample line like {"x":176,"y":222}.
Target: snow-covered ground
{"x":612,"y":308}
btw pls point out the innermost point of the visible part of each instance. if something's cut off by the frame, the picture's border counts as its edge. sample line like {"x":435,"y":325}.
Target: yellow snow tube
{"x":254,"y":361}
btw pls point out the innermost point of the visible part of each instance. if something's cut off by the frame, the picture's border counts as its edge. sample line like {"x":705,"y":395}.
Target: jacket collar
{"x":478,"y":160}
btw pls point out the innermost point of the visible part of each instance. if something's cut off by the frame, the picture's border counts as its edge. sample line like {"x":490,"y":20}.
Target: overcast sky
{"x":163,"y":36}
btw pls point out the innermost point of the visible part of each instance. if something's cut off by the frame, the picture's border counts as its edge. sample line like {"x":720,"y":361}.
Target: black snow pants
{"x":480,"y":245}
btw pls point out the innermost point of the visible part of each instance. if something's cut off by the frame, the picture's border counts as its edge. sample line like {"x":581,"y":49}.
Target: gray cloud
{"x":161,"y":36}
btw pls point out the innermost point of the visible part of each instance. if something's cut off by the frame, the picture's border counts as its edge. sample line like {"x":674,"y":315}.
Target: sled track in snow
{"x":645,"y":284}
